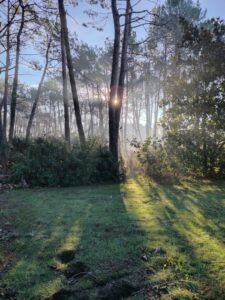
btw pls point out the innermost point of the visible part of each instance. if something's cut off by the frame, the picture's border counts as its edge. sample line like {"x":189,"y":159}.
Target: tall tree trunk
{"x":101,"y":114}
{"x":65,"y":35}
{"x":4,"y":103}
{"x":147,"y":101}
{"x":65,"y":92}
{"x":126,"y":116}
{"x":3,"y":123}
{"x":59,"y":118}
{"x":33,"y":110}
{"x":113,"y":138}
{"x":156,"y":113}
{"x":117,"y":92}
{"x":91,"y":126}
{"x":164,"y":82}
{"x":148,"y":110}
{"x":123,"y":68}
{"x":204,"y":146}
{"x":15,"y":80}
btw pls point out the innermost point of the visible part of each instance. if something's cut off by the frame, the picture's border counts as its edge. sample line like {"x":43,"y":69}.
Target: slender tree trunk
{"x":6,"y":86}
{"x":65,"y":92}
{"x":65,"y":35}
{"x":101,"y":114}
{"x":15,"y":80}
{"x":204,"y":146}
{"x":59,"y":118}
{"x":165,"y":82}
{"x":126,"y":116}
{"x":91,"y":111}
{"x":147,"y":102}
{"x":148,"y":110}
{"x":156,"y":113}
{"x":37,"y":97}
{"x":55,"y":120}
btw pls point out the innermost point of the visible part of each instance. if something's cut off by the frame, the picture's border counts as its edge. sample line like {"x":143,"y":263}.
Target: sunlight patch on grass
{"x":72,"y":240}
{"x":46,"y":289}
{"x":174,"y":218}
{"x":168,"y":236}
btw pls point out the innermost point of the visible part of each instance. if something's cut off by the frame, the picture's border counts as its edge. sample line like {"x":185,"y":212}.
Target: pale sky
{"x":215,"y":8}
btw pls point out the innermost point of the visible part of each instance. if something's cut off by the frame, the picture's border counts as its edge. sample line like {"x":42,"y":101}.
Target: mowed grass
{"x":168,"y":241}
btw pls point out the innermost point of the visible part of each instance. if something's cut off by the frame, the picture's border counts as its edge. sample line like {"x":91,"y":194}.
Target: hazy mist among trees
{"x":156,"y":87}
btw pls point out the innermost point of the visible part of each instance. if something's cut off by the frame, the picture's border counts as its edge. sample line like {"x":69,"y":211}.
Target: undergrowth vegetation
{"x":48,"y":162}
{"x":181,"y":157}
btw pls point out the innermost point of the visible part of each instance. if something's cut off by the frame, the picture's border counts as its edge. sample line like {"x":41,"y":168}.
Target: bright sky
{"x":215,"y":8}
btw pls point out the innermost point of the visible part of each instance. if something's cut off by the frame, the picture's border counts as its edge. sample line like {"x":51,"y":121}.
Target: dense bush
{"x":182,"y":155}
{"x":49,"y":163}
{"x":157,"y":160}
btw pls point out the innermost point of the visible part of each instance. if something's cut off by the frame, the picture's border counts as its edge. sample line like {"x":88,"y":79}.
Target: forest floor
{"x":137,"y":240}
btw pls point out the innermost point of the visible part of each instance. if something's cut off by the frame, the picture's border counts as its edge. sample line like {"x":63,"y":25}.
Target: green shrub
{"x":180,"y":155}
{"x":49,"y":163}
{"x":157,"y":160}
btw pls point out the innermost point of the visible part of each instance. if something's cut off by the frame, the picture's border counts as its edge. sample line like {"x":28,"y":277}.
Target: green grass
{"x":179,"y":229}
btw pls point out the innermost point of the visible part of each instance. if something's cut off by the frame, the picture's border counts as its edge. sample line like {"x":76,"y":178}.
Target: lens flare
{"x":115,"y":101}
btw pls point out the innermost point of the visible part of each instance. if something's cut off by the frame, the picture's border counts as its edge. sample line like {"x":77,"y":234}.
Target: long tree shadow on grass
{"x":122,"y":238}
{"x":190,"y":221}
{"x":91,"y":222}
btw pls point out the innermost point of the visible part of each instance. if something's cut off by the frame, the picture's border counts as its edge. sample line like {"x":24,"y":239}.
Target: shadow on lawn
{"x":167,"y":240}
{"x":94,"y":223}
{"x":191,"y":217}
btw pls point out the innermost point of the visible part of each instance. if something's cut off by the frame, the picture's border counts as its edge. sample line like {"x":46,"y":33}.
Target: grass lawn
{"x":133,"y":241}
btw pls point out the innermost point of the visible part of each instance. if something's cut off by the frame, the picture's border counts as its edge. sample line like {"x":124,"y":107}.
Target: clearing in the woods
{"x":137,"y":240}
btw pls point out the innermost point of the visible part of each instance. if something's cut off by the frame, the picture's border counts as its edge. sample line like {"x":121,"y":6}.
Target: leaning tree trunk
{"x":15,"y":80}
{"x":37,"y":97}
{"x":65,"y":35}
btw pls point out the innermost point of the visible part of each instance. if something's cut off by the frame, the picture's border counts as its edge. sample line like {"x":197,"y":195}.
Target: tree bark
{"x":65,"y":35}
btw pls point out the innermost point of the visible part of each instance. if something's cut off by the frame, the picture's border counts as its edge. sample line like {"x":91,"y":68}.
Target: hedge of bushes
{"x":48,"y":162}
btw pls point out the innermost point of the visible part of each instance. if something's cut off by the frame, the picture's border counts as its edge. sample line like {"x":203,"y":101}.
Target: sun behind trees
{"x":156,"y":84}
{"x":112,"y":150}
